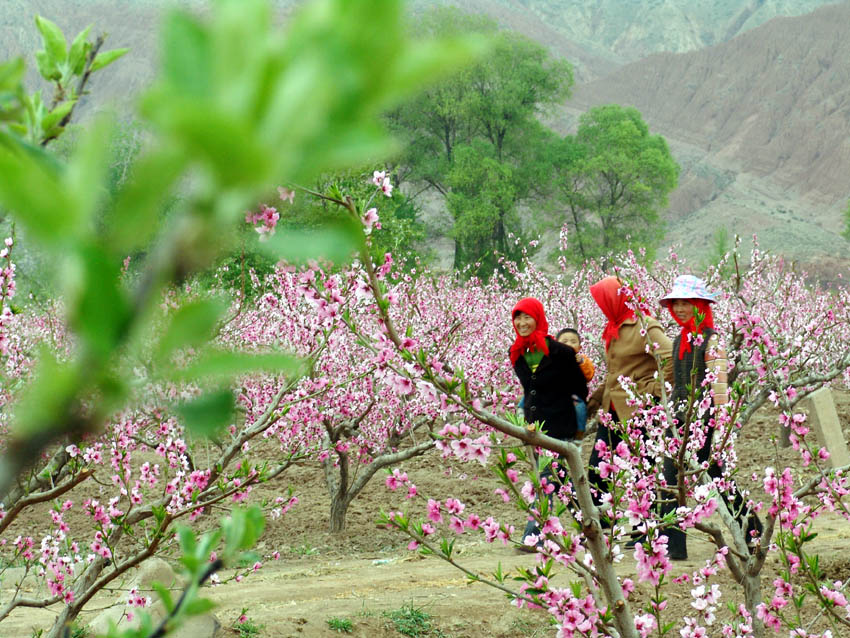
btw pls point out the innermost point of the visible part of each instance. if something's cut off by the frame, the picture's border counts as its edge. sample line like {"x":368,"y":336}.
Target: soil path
{"x":297,"y":596}
{"x":366,"y":574}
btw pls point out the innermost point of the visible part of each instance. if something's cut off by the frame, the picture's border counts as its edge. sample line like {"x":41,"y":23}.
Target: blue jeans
{"x":581,"y":414}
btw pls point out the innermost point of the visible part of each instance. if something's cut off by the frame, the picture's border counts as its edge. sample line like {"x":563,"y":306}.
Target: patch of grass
{"x":79,"y":631}
{"x":304,"y":550}
{"x":246,"y":627}
{"x":342,"y":625}
{"x":365,"y":612}
{"x":410,"y":621}
{"x":525,"y":627}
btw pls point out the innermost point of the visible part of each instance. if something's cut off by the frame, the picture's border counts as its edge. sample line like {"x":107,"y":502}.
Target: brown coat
{"x":627,"y":356}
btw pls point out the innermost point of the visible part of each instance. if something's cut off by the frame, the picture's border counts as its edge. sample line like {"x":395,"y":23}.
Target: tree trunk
{"x":70,"y":612}
{"x":65,"y":617}
{"x":605,"y":574}
{"x":752,"y":599}
{"x":339,"y":508}
{"x":458,"y":260}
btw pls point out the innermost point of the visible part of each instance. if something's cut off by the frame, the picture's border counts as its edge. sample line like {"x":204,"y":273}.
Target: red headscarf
{"x":690,"y":326}
{"x":607,"y":296}
{"x":536,"y":341}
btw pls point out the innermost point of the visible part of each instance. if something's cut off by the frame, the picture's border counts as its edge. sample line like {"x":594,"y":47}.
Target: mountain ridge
{"x":626,"y":32}
{"x":778,"y":114}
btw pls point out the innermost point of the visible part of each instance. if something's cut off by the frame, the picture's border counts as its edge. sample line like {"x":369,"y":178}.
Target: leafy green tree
{"x":482,"y":201}
{"x":518,"y":81}
{"x":440,"y":117}
{"x":491,"y":111}
{"x":614,"y":178}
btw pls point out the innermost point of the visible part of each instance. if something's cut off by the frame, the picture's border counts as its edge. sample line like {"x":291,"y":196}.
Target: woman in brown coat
{"x":625,"y":355}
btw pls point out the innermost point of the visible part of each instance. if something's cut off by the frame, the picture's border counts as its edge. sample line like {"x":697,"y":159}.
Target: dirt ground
{"x":365,"y":577}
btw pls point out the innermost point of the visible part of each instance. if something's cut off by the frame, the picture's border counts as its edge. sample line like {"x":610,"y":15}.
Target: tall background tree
{"x":469,"y":137}
{"x":614,"y":178}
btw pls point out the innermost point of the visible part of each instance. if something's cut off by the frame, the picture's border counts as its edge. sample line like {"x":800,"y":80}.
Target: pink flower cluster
{"x":455,"y":441}
{"x":7,"y":291}
{"x":653,"y":565}
{"x":397,"y":479}
{"x":264,"y":221}
{"x":382,"y":181}
{"x":370,"y":221}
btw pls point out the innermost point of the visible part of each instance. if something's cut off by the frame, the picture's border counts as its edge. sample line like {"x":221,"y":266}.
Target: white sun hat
{"x":688,"y":287}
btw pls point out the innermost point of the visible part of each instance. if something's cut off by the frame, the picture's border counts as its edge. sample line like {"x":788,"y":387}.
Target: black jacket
{"x":549,"y":390}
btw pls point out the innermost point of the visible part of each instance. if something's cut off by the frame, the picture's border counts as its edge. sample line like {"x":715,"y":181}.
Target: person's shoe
{"x":530,"y":549}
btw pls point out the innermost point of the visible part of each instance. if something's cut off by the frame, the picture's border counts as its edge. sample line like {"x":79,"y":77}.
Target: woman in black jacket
{"x":549,"y":374}
{"x":547,"y":370}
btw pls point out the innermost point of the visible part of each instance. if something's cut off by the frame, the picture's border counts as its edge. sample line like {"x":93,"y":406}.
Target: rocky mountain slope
{"x":596,"y":36}
{"x":625,"y":31}
{"x":761,"y":125}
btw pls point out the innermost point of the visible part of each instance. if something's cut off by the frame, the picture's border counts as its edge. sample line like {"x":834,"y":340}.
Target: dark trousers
{"x":550,"y":476}
{"x":676,"y":539}
{"x":612,"y":440}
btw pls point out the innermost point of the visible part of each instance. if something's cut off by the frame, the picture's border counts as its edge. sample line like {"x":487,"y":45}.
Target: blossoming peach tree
{"x":775,"y":356}
{"x":128,"y":382}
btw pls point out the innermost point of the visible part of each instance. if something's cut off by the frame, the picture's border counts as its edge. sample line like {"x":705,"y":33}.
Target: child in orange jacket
{"x":570,"y":337}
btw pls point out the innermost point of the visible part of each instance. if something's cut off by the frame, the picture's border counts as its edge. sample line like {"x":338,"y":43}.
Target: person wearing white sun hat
{"x":696,"y":351}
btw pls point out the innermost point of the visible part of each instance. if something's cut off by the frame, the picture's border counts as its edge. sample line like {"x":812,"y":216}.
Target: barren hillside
{"x":761,"y":125}
{"x":624,"y":31}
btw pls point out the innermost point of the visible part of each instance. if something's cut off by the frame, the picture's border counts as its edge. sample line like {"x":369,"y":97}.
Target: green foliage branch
{"x":68,"y":68}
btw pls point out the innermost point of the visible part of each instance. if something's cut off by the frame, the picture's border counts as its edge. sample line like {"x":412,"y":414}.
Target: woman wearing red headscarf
{"x":696,"y":352}
{"x":547,"y":370}
{"x":625,"y":356}
{"x":550,"y":376}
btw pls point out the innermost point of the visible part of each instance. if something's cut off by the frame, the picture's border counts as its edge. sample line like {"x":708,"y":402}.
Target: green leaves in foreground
{"x":209,"y":413}
{"x":336,"y":241}
{"x":221,"y":364}
{"x":238,"y":107}
{"x":239,"y":531}
{"x":290,"y":106}
{"x":190,"y":326}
